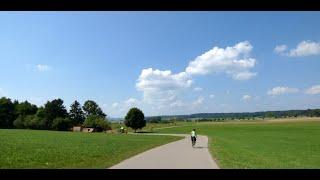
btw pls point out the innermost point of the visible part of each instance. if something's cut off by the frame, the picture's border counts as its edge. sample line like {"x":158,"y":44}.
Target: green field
{"x":150,"y":127}
{"x":268,"y":144}
{"x":53,"y":149}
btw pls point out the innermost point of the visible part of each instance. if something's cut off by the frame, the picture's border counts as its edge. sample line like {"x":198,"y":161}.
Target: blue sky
{"x":272,"y":62}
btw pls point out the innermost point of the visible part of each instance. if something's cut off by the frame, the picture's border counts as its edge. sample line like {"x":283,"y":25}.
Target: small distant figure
{"x":122,"y":129}
{"x":193,"y":137}
{"x":125,"y":130}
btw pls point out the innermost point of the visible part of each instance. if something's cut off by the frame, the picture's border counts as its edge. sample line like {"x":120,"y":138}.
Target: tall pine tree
{"x":76,"y":114}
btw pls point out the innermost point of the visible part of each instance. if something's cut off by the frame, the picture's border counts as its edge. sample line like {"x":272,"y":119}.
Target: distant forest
{"x":232,"y":116}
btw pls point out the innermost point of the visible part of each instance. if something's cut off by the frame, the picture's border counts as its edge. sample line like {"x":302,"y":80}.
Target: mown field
{"x":150,"y":127}
{"x":53,"y":149}
{"x":280,"y":143}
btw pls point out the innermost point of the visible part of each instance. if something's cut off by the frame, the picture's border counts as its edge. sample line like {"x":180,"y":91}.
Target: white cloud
{"x":177,"y":103}
{"x":246,"y":97}
{"x":282,"y":90}
{"x":121,"y":108}
{"x":234,"y":61}
{"x":198,"y":101}
{"x":197,"y":89}
{"x":243,"y":75}
{"x":43,"y":67}
{"x":313,"y":90}
{"x":211,"y":96}
{"x":280,"y":49}
{"x":306,"y":48}
{"x":161,"y":87}
{"x":115,"y":105}
{"x":131,"y":102}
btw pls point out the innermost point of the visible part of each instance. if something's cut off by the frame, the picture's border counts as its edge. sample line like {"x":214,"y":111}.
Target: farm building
{"x":82,"y":129}
{"x":88,"y":129}
{"x":77,"y":129}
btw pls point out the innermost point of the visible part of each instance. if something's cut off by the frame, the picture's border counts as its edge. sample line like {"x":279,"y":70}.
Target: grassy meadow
{"x":54,"y":149}
{"x":279,"y":143}
{"x":150,"y":127}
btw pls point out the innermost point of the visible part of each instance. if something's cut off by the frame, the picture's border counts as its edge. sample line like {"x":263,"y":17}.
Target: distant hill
{"x":115,"y":119}
{"x":242,"y":115}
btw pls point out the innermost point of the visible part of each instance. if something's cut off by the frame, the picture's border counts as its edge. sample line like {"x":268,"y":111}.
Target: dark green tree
{"x":25,"y":108}
{"x":15,"y":105}
{"x":7,"y":113}
{"x":135,"y":119}
{"x":97,"y":122}
{"x":92,"y":108}
{"x":76,"y":114}
{"x":19,"y":122}
{"x":25,"y":113}
{"x":270,"y":114}
{"x":22,"y":110}
{"x":61,"y":124}
{"x":53,"y":109}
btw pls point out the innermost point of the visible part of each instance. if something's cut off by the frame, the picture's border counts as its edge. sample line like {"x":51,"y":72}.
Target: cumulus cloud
{"x":131,"y":102}
{"x":115,"y":105}
{"x":198,"y":101}
{"x":43,"y":67}
{"x":161,"y":87}
{"x":280,"y":49}
{"x":234,"y":61}
{"x":313,"y":90}
{"x":211,"y":96}
{"x":122,"y":107}
{"x":243,"y":75}
{"x":306,"y":48}
{"x":177,"y":103}
{"x":197,"y":89}
{"x":246,"y":97}
{"x":282,"y":90}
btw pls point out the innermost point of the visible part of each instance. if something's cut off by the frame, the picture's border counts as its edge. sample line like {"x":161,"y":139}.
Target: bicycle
{"x":193,"y":141}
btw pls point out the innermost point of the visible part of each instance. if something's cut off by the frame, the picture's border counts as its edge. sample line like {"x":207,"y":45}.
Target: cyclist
{"x":193,"y":137}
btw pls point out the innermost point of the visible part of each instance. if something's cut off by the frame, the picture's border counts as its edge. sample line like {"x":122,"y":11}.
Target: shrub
{"x":61,"y":124}
{"x":19,"y":122}
{"x":97,"y":122}
{"x":32,"y":122}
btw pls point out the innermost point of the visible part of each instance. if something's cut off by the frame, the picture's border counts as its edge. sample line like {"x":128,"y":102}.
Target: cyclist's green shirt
{"x":193,"y":134}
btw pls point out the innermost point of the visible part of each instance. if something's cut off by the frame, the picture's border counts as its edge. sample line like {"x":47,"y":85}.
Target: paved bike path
{"x":175,"y":155}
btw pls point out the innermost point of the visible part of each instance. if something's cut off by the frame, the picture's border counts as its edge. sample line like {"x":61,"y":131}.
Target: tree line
{"x":52,"y":116}
{"x":233,"y":116}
